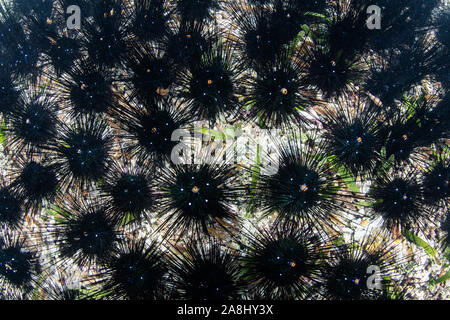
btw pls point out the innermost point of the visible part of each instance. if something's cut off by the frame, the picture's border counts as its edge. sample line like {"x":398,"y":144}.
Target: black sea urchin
{"x":347,"y":33}
{"x":283,"y":262}
{"x":206,"y":271}
{"x":82,"y":152}
{"x":86,"y":88}
{"x":148,"y":129}
{"x":259,"y":39}
{"x":60,"y":44}
{"x":40,"y":22}
{"x":63,"y":53}
{"x":186,"y":43}
{"x":276,"y":93}
{"x":32,"y":126}
{"x":362,"y":270}
{"x":84,"y":232}
{"x":17,"y":54}
{"x":436,"y":183}
{"x":36,"y":182}
{"x":332,"y":73}
{"x":209,"y":88}
{"x":410,"y":126}
{"x":398,"y":200}
{"x":353,"y":135}
{"x":128,"y":191}
{"x":151,"y":74}
{"x":303,"y":190}
{"x":395,"y":72}
{"x":149,"y":20}
{"x":104,"y":38}
{"x":197,"y":197}
{"x":197,"y":10}
{"x":18,"y":267}
{"x":401,"y":22}
{"x":135,"y":271}
{"x":11,"y":211}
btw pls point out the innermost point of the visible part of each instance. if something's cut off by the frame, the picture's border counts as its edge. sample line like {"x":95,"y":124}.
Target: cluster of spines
{"x":273,"y":263}
{"x":160,"y":63}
